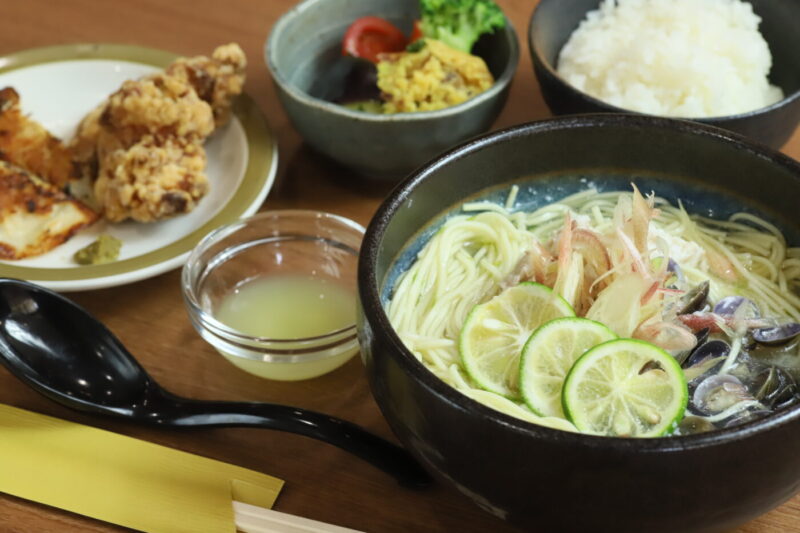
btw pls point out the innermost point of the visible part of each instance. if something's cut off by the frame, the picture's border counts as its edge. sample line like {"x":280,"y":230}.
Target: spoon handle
{"x":379,"y":452}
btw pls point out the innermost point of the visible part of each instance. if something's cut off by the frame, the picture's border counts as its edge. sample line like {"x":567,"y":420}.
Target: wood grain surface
{"x":322,"y":482}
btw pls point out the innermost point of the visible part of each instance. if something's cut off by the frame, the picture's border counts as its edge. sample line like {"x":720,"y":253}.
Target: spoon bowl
{"x":48,"y":343}
{"x":60,"y":350}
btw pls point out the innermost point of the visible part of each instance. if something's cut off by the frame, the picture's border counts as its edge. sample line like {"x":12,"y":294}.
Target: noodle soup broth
{"x":706,"y":276}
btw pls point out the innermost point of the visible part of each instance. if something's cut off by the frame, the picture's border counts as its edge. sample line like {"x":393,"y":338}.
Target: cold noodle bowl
{"x":611,"y":313}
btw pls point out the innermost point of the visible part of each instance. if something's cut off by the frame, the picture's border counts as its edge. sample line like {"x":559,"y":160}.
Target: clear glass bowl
{"x":274,"y":245}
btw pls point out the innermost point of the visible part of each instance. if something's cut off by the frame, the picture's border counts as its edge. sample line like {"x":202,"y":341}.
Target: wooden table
{"x":322,"y":482}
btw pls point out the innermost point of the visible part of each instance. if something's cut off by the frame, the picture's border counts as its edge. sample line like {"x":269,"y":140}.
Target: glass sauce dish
{"x":275,"y":293}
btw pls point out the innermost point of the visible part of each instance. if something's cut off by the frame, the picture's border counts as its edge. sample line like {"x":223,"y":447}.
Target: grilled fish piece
{"x":35,"y":216}
{"x":27,"y":144}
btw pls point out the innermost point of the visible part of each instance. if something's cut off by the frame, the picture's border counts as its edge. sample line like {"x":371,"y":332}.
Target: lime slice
{"x":494,"y":333}
{"x":548,"y":356}
{"x":625,"y":388}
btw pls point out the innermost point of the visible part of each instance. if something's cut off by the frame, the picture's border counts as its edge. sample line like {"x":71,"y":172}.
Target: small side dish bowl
{"x":303,"y":55}
{"x":275,"y":293}
{"x":544,"y":479}
{"x":553,"y":22}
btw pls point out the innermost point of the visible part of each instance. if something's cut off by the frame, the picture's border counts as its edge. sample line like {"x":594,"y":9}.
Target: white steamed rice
{"x":682,"y":58}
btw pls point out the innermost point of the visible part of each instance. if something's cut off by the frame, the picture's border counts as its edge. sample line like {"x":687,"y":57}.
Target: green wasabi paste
{"x":104,"y":250}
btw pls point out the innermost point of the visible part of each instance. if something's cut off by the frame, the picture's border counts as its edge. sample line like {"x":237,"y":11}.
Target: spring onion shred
{"x":466,"y":261}
{"x":734,"y":409}
{"x":730,"y":360}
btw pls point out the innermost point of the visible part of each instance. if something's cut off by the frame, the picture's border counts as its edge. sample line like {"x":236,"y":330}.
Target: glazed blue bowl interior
{"x":698,"y":199}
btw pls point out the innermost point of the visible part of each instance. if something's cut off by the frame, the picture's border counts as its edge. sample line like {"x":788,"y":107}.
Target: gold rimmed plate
{"x":58,"y":85}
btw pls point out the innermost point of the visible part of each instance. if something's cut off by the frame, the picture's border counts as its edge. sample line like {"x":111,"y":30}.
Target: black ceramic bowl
{"x":553,"y":22}
{"x":543,"y":479}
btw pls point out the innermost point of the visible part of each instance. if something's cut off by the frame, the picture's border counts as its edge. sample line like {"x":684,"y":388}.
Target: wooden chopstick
{"x":254,"y":519}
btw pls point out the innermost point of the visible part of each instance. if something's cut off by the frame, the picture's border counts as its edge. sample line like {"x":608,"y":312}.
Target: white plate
{"x":57,"y":87}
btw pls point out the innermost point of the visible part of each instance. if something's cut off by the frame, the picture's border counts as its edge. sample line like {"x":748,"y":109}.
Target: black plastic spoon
{"x":59,"y":349}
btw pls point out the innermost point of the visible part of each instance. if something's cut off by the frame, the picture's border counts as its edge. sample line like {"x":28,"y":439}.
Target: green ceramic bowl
{"x":303,"y":55}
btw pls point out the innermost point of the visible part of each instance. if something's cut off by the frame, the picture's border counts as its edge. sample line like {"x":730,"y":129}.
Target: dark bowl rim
{"x":370,"y":291}
{"x":539,"y":60}
{"x":500,"y":84}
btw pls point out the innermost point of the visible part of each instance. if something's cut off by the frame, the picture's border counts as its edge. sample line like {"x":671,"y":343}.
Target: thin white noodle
{"x":512,"y":197}
{"x":464,"y":263}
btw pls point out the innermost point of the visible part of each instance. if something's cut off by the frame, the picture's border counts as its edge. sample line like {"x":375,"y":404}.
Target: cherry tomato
{"x":416,"y":33}
{"x":369,"y":36}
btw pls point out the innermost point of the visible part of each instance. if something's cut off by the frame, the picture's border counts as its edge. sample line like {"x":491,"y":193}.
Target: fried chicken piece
{"x":159,"y":112}
{"x":27,"y":144}
{"x":170,"y":113}
{"x":161,"y":105}
{"x":127,"y":115}
{"x":35,"y":216}
{"x":153,"y":179}
{"x":217,"y":80}
{"x":149,"y":151}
